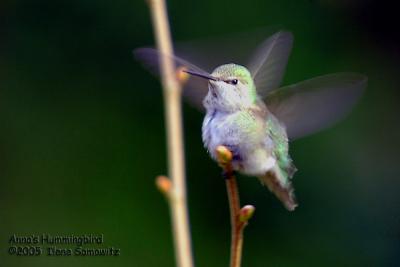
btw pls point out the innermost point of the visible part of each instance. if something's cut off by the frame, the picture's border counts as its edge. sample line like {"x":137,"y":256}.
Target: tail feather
{"x":281,"y":187}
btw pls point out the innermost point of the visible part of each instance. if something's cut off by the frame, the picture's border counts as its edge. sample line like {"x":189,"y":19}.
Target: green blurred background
{"x":82,"y":136}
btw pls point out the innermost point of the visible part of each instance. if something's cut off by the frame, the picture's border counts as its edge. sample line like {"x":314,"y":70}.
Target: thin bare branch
{"x":239,"y":217}
{"x":173,"y":117}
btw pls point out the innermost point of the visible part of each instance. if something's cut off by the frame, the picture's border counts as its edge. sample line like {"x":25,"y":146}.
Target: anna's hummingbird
{"x":247,"y":112}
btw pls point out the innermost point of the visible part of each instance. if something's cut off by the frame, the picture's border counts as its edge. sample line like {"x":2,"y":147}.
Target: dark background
{"x":82,"y":136}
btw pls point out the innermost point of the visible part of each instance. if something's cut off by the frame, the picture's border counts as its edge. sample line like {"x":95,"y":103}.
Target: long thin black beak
{"x":202,"y":75}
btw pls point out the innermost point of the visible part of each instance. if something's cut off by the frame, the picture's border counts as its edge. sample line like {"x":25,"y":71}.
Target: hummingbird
{"x":249,"y":113}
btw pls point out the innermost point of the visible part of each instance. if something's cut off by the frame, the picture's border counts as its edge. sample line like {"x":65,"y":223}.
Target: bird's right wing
{"x":194,"y":88}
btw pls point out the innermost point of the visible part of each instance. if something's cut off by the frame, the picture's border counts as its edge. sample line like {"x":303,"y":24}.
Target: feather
{"x":281,"y":187}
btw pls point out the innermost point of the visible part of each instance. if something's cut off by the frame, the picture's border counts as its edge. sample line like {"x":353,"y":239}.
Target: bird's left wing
{"x":314,"y":104}
{"x":268,"y":64}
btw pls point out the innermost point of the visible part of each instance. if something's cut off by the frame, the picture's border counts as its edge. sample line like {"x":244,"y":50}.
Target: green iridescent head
{"x":232,"y":89}
{"x":229,"y":71}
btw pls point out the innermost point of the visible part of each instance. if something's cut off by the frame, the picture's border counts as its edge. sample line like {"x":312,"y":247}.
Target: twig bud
{"x":181,"y":75}
{"x":164,"y":184}
{"x":246,"y":213}
{"x":224,"y":155}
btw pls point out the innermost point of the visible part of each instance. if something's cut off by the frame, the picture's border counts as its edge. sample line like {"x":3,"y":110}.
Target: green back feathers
{"x":281,"y":149}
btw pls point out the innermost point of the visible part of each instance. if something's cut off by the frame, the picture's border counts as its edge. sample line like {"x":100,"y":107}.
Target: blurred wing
{"x":210,"y":53}
{"x":268,"y":63}
{"x":194,"y":88}
{"x":314,"y":104}
{"x":213,"y":51}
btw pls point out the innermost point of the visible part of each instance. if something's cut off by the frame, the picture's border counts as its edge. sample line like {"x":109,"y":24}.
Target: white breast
{"x":253,"y":147}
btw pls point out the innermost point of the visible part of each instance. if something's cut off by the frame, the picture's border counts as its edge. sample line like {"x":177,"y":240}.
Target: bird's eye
{"x":233,"y":81}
